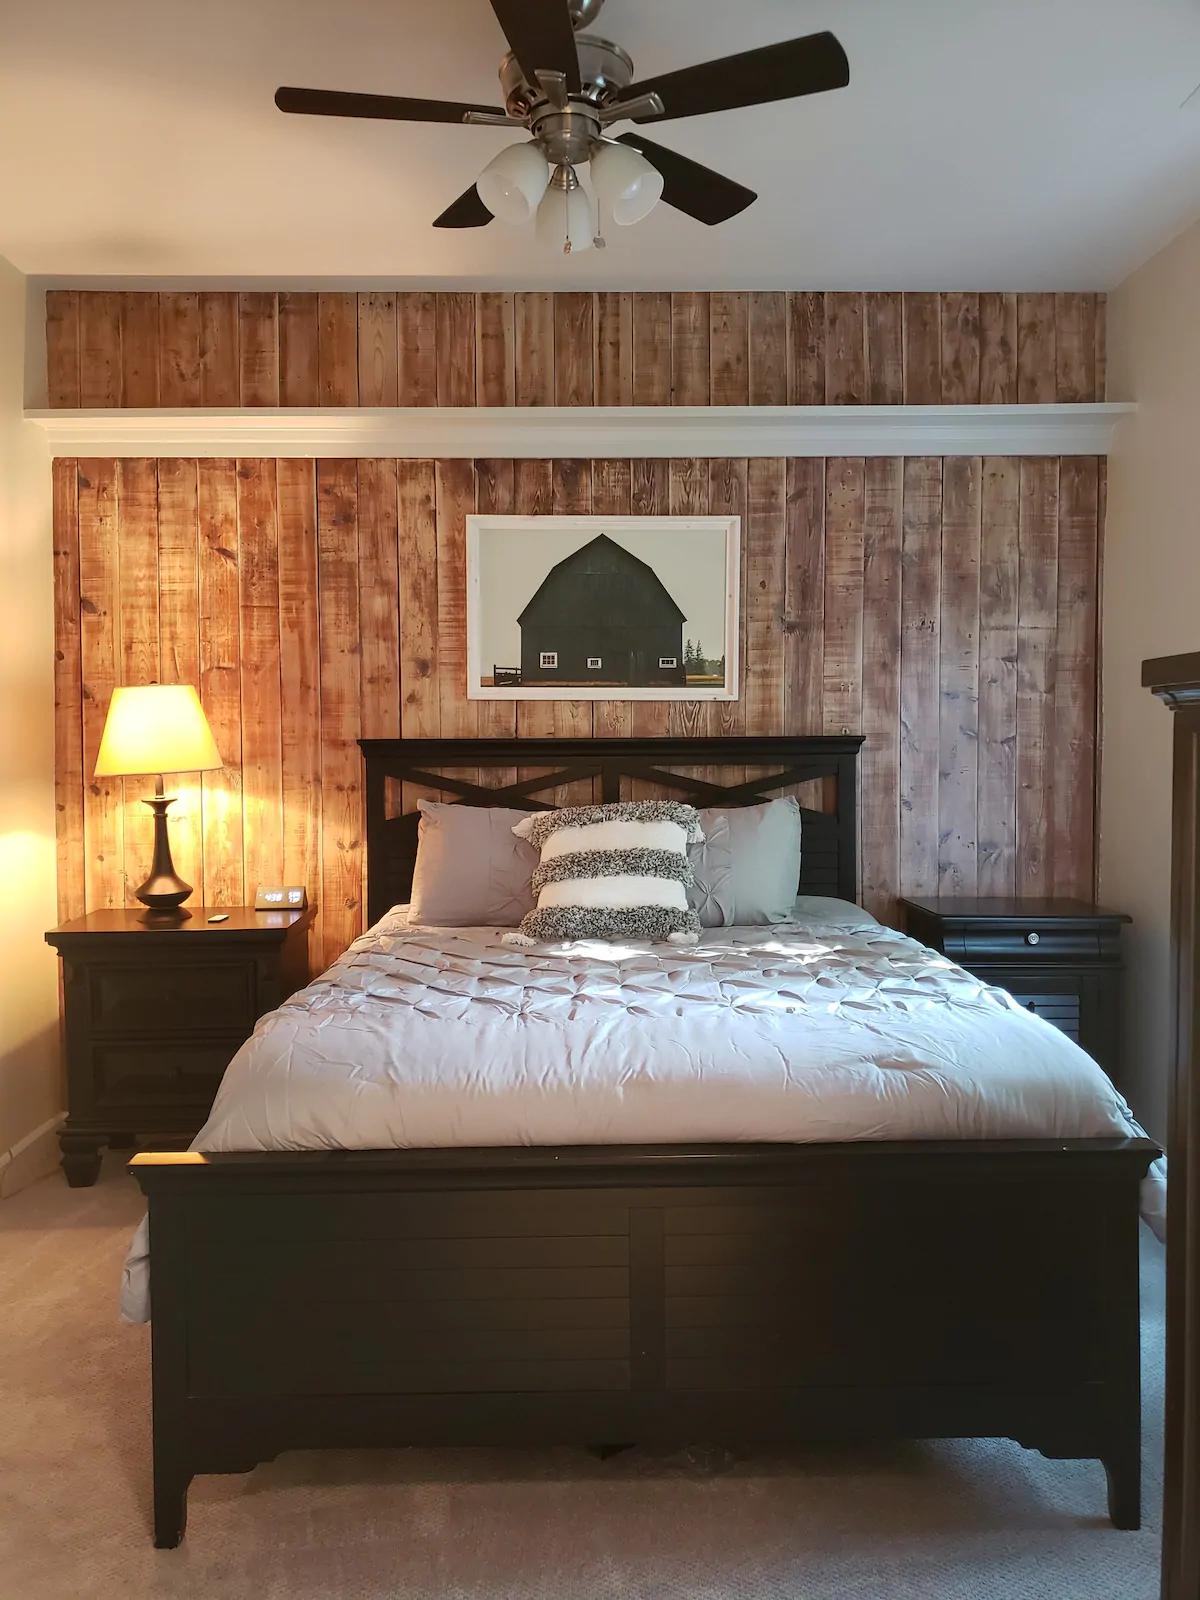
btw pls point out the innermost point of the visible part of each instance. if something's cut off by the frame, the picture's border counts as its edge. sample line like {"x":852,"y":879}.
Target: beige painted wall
{"x":30,"y":1073}
{"x":1151,"y":608}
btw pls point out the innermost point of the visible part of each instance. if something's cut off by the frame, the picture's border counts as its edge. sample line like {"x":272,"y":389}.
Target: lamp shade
{"x":626,"y":184}
{"x":160,"y":728}
{"x":512,"y":184}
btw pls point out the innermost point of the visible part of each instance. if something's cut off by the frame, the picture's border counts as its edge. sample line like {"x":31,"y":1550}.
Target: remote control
{"x":221,"y":916}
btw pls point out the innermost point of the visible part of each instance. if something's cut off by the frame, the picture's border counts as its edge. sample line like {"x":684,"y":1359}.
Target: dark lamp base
{"x":164,"y":891}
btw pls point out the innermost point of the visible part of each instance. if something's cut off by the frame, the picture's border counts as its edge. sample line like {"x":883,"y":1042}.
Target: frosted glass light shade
{"x":626,"y":185}
{"x":160,"y":728}
{"x":512,"y":184}
{"x":566,"y":214}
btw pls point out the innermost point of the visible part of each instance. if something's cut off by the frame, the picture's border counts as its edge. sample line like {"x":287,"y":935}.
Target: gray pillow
{"x":833,"y":913}
{"x":747,"y":868}
{"x":471,"y":871}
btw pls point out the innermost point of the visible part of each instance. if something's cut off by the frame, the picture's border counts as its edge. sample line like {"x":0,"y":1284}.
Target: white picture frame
{"x":539,"y":615}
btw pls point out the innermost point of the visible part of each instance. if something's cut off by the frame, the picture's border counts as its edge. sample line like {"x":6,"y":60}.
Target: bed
{"x":773,"y":1284}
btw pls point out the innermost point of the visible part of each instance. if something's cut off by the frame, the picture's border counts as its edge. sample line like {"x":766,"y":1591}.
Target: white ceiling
{"x":981,"y":143}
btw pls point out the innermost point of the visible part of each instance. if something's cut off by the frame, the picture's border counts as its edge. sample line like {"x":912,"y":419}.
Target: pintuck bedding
{"x":828,"y":1027}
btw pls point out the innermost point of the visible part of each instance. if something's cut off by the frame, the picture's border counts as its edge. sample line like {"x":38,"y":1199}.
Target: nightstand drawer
{"x":1063,"y":1010}
{"x":1015,"y":941}
{"x":171,"y":997}
{"x":128,"y":1073}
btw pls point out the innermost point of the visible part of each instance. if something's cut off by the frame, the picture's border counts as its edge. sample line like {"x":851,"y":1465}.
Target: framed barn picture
{"x":603,"y":608}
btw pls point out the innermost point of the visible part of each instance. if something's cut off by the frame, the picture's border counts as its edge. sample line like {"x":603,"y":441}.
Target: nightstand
{"x":1059,"y":958}
{"x":155,"y":1012}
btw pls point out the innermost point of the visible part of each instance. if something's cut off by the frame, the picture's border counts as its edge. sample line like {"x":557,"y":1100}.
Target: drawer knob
{"x":1033,"y":938}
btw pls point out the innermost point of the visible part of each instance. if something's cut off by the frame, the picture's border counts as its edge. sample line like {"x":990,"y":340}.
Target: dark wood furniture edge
{"x":1176,"y":682}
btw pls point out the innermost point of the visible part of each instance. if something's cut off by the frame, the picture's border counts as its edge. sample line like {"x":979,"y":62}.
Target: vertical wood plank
{"x":219,"y":356}
{"x":179,"y":350}
{"x":179,"y":643}
{"x":258,"y":349}
{"x":99,"y":348}
{"x":652,"y":349}
{"x":845,"y":350}
{"x":379,"y":599}
{"x":806,"y":349}
{"x":885,"y":349}
{"x":920,"y":611}
{"x":420,"y":708}
{"x":958,"y":777}
{"x":690,"y":381}
{"x":299,"y":323}
{"x":99,"y":599}
{"x":845,"y":494}
{"x":68,"y":692}
{"x":341,"y":785}
{"x":533,"y":492}
{"x":764,"y":533}
{"x":1073,"y":759}
{"x":220,"y":680}
{"x":137,"y":628}
{"x":1037,"y":357}
{"x":883,"y":521}
{"x":1101,"y":353}
{"x":1075,"y":347}
{"x":996,"y":802}
{"x":139,"y":350}
{"x":261,"y":684}
{"x":534,"y":349}
{"x":495,"y":351}
{"x":456,"y":349}
{"x":378,"y":350}
{"x":416,"y":319}
{"x":1037,"y":619}
{"x":768,"y":348}
{"x":804,"y":606}
{"x":960,"y":350}
{"x":300,"y":680}
{"x":728,"y":485}
{"x":62,"y":348}
{"x":922,"y":350}
{"x":614,"y":349}
{"x":574,"y":373}
{"x":998,"y":349}
{"x":495,"y":494}
{"x":454,"y":500}
{"x":729,"y":346}
{"x":612,"y":491}
{"x":337,"y":356}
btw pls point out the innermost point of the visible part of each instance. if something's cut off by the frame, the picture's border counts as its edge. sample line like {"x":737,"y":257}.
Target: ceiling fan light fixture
{"x":564,"y":219}
{"x":512,"y":184}
{"x":626,"y":184}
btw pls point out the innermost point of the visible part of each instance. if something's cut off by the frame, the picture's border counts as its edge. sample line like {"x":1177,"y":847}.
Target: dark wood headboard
{"x":828,"y":863}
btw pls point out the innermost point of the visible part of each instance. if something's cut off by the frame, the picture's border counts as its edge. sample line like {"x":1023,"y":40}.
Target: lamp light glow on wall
{"x":151,"y":730}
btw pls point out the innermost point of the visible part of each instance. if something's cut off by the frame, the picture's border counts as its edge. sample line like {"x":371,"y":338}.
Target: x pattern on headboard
{"x":828,"y":851}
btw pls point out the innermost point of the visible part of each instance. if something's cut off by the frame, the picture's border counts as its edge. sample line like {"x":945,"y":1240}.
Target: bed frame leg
{"x":1123,"y":1468}
{"x":170,"y":1505}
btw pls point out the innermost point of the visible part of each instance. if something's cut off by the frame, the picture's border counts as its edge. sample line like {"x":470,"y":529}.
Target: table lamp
{"x":157,"y":729}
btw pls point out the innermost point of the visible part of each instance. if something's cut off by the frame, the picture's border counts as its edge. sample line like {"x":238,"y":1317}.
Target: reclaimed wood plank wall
{"x":945,"y":608}
{"x":495,"y":349}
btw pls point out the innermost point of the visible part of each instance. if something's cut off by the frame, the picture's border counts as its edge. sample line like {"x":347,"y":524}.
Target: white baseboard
{"x":33,"y":1157}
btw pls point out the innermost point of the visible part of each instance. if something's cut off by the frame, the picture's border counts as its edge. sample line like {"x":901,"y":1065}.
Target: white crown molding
{"x":595,"y":431}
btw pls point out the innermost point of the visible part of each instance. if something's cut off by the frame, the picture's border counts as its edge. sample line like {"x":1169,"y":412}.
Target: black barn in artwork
{"x":602,"y":616}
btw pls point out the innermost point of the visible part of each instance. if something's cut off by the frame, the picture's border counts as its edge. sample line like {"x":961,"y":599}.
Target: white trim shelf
{"x":589,"y":431}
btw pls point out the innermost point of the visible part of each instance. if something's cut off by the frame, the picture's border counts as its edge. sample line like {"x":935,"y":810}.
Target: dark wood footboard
{"x":600,"y":1295}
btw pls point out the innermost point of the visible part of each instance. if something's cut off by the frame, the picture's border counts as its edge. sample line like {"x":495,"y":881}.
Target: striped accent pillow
{"x":612,"y":872}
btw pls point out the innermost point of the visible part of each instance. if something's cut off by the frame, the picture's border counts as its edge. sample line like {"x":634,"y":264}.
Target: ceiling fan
{"x":567,"y":87}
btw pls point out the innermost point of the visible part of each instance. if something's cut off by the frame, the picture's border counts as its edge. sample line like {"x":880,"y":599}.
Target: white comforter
{"x":806,"y":1031}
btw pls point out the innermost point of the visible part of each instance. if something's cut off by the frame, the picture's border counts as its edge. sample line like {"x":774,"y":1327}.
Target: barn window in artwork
{"x":614,"y":609}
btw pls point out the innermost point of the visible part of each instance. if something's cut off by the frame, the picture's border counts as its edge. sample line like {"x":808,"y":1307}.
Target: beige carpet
{"x":959,"y":1521}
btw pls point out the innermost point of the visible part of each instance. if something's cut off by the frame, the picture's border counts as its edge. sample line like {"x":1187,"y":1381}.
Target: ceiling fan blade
{"x":776,"y":72}
{"x":385,"y":107}
{"x":701,"y":192}
{"x":468,"y":211}
{"x":541,"y":37}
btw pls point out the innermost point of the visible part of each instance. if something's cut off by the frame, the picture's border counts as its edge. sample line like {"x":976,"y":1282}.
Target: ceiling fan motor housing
{"x":604,"y":68}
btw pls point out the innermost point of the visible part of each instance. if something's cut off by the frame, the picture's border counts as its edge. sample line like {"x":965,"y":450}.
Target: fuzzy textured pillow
{"x":612,"y":872}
